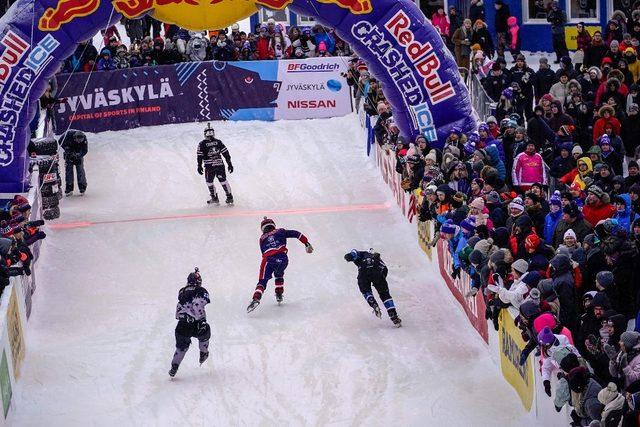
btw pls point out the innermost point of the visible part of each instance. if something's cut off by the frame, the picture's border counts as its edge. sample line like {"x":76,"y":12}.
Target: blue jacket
{"x":497,"y":160}
{"x":550,"y":222}
{"x":275,"y":241}
{"x":453,"y":248}
{"x":626,"y":218}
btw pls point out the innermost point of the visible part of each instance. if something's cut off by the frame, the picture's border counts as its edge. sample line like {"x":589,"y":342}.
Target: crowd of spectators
{"x":540,"y":206}
{"x":17,"y":234}
{"x":153,"y":43}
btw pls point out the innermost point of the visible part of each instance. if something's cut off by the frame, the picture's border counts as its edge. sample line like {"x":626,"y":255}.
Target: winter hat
{"x":472,"y":242}
{"x":532,"y":242}
{"x":576,"y":150}
{"x":607,"y":394}
{"x":546,"y":336}
{"x":635,"y":189}
{"x":477,"y":203}
{"x":493,"y":197}
{"x":578,"y":379}
{"x":468,"y":224}
{"x":572,"y":210}
{"x":630,"y":339}
{"x":431,"y":156}
{"x":601,"y":300}
{"x":520,"y":265}
{"x":476,"y":257}
{"x":605,"y":278}
{"x":569,"y":233}
{"x":533,"y":197}
{"x":485,"y":246}
{"x":590,"y":239}
{"x":449,"y":227}
{"x":569,"y":361}
{"x":529,"y":309}
{"x":517,"y":204}
{"x":555,"y":199}
{"x":633,"y":164}
{"x":596,"y":191}
{"x":532,"y":279}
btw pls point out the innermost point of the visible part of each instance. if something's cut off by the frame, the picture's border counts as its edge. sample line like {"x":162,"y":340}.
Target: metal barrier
{"x":482,"y":103}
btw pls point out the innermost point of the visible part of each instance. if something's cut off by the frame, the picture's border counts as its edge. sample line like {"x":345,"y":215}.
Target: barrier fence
{"x":505,"y":344}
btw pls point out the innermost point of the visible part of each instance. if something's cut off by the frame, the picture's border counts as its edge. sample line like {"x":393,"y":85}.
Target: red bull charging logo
{"x":192,"y":14}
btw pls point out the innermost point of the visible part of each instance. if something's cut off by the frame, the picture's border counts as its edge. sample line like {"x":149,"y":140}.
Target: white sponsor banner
{"x":313,"y":88}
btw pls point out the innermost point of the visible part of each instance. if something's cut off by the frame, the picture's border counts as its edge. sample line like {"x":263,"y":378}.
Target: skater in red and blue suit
{"x":273,"y":244}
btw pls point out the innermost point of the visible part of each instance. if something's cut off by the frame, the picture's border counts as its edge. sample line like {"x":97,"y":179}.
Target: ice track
{"x":101,"y":335}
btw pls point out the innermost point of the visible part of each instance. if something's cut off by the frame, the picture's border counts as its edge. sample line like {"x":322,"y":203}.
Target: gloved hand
{"x":523,"y":358}
{"x":308,"y":248}
{"x":200,"y":170}
{"x":547,"y":387}
{"x":558,"y":408}
{"x":623,"y":361}
{"x":230,"y":168}
{"x":348,"y":257}
{"x":493,"y":288}
{"x":610,"y":351}
{"x":455,"y":273}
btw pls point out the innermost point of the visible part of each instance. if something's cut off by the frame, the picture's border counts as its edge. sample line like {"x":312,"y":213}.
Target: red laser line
{"x":231,"y":214}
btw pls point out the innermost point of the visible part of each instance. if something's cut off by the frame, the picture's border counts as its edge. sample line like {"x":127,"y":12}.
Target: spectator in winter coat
{"x":441,"y":22}
{"x":501,"y":26}
{"x":263,"y":45}
{"x":596,"y":51}
{"x":558,"y":117}
{"x":75,"y":146}
{"x":626,"y":364}
{"x":630,"y":130}
{"x":612,"y":32}
{"x":462,"y":41}
{"x":558,"y":19}
{"x":571,"y":219}
{"x":481,"y":36}
{"x":597,"y":206}
{"x":612,"y":158}
{"x":624,"y":213}
{"x":560,"y":90}
{"x":321,"y":35}
{"x":476,"y":10}
{"x":583,"y":41}
{"x":528,"y":168}
{"x":606,"y":116}
{"x":544,"y":79}
{"x":564,"y":284}
{"x":519,"y":288}
{"x":615,"y":406}
{"x":105,"y":63}
{"x":633,"y":64}
{"x":584,"y":396}
{"x":552,"y":218}
{"x":513,"y":36}
{"x":197,"y":48}
{"x":612,"y":89}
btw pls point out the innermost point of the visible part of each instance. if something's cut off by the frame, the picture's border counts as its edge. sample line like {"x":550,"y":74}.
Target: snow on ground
{"x":100,"y":339}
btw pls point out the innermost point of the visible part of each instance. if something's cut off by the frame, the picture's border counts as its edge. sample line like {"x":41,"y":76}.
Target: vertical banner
{"x":5,"y":384}
{"x":14,"y":329}
{"x":511,"y":344}
{"x":425,"y":234}
{"x":313,"y":87}
{"x":474,"y":307}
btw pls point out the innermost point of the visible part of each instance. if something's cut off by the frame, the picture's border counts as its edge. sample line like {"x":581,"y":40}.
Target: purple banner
{"x":187,"y":92}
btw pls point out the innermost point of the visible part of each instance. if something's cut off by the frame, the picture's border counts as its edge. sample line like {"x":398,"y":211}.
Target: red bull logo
{"x":66,"y":11}
{"x":204,"y":14}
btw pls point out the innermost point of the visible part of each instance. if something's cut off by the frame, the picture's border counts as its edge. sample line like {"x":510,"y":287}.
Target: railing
{"x":482,"y":103}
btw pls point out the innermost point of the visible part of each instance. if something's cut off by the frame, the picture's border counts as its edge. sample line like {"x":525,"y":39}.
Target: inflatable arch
{"x":402,"y":49}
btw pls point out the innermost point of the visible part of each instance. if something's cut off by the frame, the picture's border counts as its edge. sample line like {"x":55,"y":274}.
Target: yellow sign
{"x":14,"y":327}
{"x":571,"y":35}
{"x":511,"y":344}
{"x":425,"y":232}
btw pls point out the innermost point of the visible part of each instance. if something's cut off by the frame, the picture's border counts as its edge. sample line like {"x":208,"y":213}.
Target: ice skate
{"x":213,"y":201}
{"x":254,"y":304}
{"x":279,"y":298}
{"x":229,"y":200}
{"x":396,"y":321}
{"x":377,"y":312}
{"x":203,"y":356}
{"x":173,"y":370}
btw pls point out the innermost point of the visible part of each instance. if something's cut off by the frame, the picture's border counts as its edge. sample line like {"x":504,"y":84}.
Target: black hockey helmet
{"x":209,"y":132}
{"x":194,"y":278}
{"x":267,"y":224}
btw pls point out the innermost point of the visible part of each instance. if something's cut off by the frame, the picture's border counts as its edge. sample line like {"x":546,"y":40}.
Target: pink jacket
{"x":441,"y":22}
{"x":514,"y":30}
{"x":528,"y":169}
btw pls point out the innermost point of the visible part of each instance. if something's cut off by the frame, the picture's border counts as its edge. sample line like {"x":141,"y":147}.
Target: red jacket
{"x":598,"y":127}
{"x":263,"y":49}
{"x":596,"y":213}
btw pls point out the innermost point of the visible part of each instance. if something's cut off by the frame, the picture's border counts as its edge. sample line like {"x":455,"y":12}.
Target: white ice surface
{"x":100,"y":338}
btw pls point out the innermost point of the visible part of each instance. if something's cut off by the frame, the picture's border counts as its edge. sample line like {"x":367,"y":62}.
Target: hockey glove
{"x":348,"y":257}
{"x":308,"y":248}
{"x":230,"y":168}
{"x":200,"y":171}
{"x":547,"y":387}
